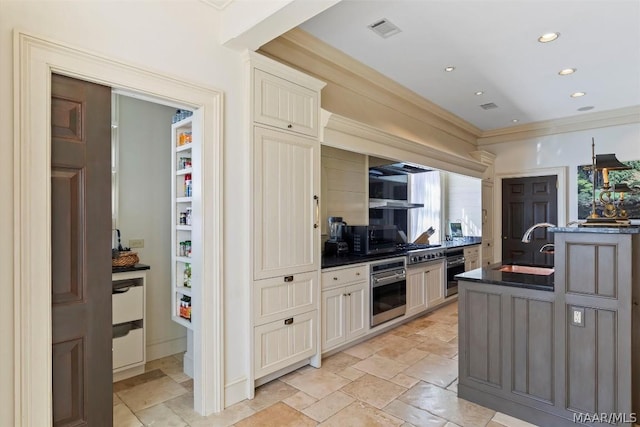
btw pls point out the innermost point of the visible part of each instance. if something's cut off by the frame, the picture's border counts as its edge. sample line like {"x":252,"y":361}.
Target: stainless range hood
{"x":392,"y":204}
{"x":397,"y":169}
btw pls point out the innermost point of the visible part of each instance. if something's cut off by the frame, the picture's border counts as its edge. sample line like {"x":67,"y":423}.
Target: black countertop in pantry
{"x":331,"y":261}
{"x":136,"y":267}
{"x":492,"y":274}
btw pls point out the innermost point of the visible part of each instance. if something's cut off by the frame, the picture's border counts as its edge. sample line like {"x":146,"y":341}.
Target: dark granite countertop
{"x":331,"y":261}
{"x":631,"y":229}
{"x":136,"y":267}
{"x":491,"y":274}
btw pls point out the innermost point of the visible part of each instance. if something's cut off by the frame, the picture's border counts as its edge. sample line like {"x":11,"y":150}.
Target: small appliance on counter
{"x":336,"y":245}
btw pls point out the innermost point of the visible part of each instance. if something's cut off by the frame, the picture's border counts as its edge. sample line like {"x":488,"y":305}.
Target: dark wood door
{"x":528,"y":201}
{"x":80,"y":252}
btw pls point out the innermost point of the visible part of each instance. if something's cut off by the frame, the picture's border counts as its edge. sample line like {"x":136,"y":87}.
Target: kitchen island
{"x":554,"y":346}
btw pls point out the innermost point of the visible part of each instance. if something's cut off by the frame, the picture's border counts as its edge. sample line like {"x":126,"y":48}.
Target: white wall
{"x":463,"y":203}
{"x":176,"y":38}
{"x":144,"y":156}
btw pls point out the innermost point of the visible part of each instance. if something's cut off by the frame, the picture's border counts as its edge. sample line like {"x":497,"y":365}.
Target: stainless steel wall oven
{"x":455,"y":265}
{"x":388,"y":290}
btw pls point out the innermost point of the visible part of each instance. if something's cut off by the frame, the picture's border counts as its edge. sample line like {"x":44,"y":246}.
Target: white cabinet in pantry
{"x":128,"y":320}
{"x":345,"y":305}
{"x":425,"y":286}
{"x":471,"y":257}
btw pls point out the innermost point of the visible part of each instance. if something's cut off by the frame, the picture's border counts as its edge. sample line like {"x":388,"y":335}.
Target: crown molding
{"x":217,"y":4}
{"x":601,"y":119}
{"x":306,"y":52}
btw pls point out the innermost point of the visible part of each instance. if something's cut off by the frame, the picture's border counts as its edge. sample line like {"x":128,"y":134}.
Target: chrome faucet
{"x":526,"y":237}
{"x":549,"y":249}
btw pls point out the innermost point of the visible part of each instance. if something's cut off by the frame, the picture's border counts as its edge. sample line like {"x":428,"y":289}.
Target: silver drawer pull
{"x":121,"y":290}
{"x":288,"y":278}
{"x":288,"y":321}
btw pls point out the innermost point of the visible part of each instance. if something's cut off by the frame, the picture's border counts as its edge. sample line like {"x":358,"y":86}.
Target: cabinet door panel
{"x":333,"y":320}
{"x":435,"y":284}
{"x":416,"y":292}
{"x":286,"y":212}
{"x":357,"y":310}
{"x":281,"y":297}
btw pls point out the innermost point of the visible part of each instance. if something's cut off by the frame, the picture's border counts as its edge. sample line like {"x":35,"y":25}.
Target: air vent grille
{"x":384,"y":28}
{"x":488,"y":106}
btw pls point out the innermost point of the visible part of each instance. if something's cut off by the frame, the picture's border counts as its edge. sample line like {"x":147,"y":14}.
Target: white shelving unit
{"x":182,"y":201}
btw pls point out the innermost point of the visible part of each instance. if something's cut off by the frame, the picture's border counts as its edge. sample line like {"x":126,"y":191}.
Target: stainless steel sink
{"x":526,"y":269}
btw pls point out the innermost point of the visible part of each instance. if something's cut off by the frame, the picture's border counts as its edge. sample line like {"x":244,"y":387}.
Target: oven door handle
{"x":456,"y":262}
{"x":388,"y":279}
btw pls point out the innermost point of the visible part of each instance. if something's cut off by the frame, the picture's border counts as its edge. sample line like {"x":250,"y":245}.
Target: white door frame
{"x":35,"y":59}
{"x":563,"y":196}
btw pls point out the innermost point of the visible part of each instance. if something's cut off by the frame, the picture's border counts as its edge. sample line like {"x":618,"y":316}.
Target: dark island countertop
{"x":631,"y":229}
{"x":331,"y":261}
{"x":492,"y":274}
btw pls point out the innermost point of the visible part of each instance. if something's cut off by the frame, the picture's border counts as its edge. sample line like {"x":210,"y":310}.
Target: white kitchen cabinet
{"x":471,"y":257}
{"x":128,"y":320}
{"x":284,"y":342}
{"x":286,"y":216}
{"x":286,"y":204}
{"x":425,"y":286}
{"x":345,"y":305}
{"x":286,"y":103}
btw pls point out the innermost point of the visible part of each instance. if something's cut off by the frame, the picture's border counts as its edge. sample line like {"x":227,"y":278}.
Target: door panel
{"x":80,"y":252}
{"x":527,"y":201}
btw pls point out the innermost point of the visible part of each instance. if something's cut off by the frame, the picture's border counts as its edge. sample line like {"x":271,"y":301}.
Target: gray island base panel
{"x":563,"y":355}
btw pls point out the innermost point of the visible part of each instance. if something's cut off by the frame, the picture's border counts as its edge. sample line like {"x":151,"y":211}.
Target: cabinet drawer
{"x":343,"y":276}
{"x":471,"y":251}
{"x":128,"y":349}
{"x":128,"y":305}
{"x":284,"y":104}
{"x":284,"y":342}
{"x":284,"y":296}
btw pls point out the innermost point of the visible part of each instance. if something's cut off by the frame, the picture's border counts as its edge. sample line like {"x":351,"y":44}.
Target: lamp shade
{"x":624,"y":188}
{"x":609,"y":161}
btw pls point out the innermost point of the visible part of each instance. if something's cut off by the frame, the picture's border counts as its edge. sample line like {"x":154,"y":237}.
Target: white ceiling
{"x":494,"y":47}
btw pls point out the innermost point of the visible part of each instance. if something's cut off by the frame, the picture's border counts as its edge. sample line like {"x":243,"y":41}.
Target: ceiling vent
{"x":488,"y":106}
{"x":384,"y":28}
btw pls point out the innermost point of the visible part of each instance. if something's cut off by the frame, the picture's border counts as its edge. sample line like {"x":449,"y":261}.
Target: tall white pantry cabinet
{"x":285,"y":116}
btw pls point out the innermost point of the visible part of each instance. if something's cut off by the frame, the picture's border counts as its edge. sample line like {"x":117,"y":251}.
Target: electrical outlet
{"x":136,"y":243}
{"x":577,"y":316}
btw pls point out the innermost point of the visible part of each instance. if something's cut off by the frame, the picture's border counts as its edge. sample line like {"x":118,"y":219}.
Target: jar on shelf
{"x":188,"y":219}
{"x":187,"y":275}
{"x":187,"y":185}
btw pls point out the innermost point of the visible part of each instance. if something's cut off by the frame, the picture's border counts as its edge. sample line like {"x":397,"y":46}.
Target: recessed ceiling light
{"x":590,"y":107}
{"x":515,"y":120}
{"x":479,"y":92}
{"x":578,"y":94}
{"x":449,"y":69}
{"x":567,"y":71}
{"x":548,"y":37}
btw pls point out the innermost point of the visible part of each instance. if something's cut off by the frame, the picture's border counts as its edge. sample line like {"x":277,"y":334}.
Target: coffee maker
{"x":336,"y":245}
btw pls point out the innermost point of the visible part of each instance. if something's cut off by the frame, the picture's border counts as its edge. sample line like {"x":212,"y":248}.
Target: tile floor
{"x":404,"y":377}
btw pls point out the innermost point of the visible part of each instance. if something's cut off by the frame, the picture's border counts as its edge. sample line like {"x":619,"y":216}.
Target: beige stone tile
{"x":494,"y":424}
{"x":123,"y":417}
{"x":437,"y":346}
{"x":389,"y":340}
{"x":445,"y":404}
{"x":359,"y":414}
{"x":407,"y":330}
{"x":188,"y":385}
{"x":300,"y":400}
{"x":441,"y":331}
{"x":404,"y":380}
{"x":351,"y":373}
{"x":453,"y":387}
{"x":444,"y":317}
{"x":373,"y":390}
{"x":407,"y":425}
{"x":450,"y":424}
{"x":405,"y":357}
{"x":163,"y":363}
{"x":380,"y":366}
{"x":176,"y":372}
{"x":137,"y":380}
{"x":278,"y":415}
{"x":509,"y":421}
{"x":362,"y":350}
{"x":116,"y":399}
{"x":151,"y":393}
{"x":270,"y":393}
{"x":227,"y":417}
{"x":318,"y":383}
{"x":324,"y":408}
{"x":413,"y":415}
{"x":339,"y":362}
{"x":435,"y":369}
{"x":455,"y":357}
{"x":160,"y":416}
{"x":183,"y":407}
